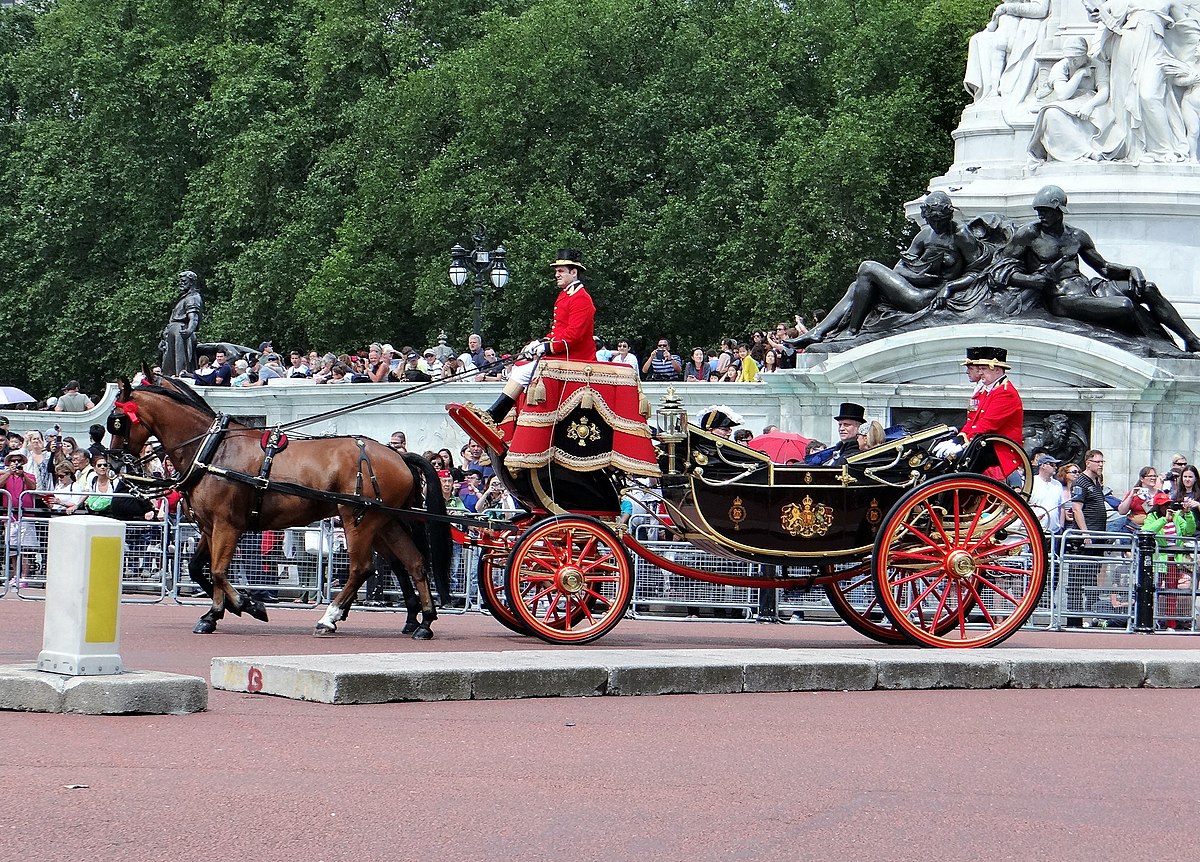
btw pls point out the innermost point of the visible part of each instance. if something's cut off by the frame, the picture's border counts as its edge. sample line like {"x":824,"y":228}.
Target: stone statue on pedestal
{"x":178,"y":342}
{"x":935,"y":266}
{"x":1000,"y":58}
{"x":1044,"y":255}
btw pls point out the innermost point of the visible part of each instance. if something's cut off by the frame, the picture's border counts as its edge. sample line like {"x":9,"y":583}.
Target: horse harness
{"x":273,"y":442}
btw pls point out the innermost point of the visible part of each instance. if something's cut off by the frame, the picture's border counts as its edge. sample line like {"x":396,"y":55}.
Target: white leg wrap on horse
{"x":333,"y":616}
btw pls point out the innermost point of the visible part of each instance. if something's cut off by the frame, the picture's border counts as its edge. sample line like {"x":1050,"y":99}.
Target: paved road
{"x":1063,"y":775}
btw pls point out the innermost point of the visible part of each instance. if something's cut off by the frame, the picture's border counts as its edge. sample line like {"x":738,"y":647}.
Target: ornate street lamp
{"x":482,"y":264}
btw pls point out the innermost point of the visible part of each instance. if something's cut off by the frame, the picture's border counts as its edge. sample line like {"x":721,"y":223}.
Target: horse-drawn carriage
{"x":908,"y":547}
{"x":943,"y":555}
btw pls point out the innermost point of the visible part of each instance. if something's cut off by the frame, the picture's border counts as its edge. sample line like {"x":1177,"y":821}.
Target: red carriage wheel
{"x":853,"y":597}
{"x":964,"y":550}
{"x":491,"y":576}
{"x":569,"y":579}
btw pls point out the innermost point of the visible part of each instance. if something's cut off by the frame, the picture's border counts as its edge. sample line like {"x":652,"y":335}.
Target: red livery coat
{"x":572,"y":336}
{"x":1000,"y":412}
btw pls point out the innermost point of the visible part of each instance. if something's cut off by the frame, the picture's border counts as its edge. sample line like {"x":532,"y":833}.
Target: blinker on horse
{"x":232,"y":485}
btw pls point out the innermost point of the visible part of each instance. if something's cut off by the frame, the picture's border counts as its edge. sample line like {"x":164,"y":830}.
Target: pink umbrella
{"x":781,"y":447}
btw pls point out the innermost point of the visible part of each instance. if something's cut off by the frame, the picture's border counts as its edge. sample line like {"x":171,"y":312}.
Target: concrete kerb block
{"x":136,"y":692}
{"x":386,"y":687}
{"x":675,"y":672}
{"x":1079,"y":669}
{"x":923,"y":669}
{"x":794,"y":670}
{"x":25,"y":688}
{"x":1172,"y":669}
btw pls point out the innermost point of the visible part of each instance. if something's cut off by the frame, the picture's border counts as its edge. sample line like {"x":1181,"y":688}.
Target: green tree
{"x":723,"y":163}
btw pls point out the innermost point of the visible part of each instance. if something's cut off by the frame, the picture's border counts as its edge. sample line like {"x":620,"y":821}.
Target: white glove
{"x":531,"y":349}
{"x":539,"y":347}
{"x":947,"y":449}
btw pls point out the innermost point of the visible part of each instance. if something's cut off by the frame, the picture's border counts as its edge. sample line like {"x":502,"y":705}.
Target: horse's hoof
{"x":255,"y":609}
{"x":204,"y":627}
{"x":423,"y":633}
{"x":320,"y":630}
{"x":409,"y":628}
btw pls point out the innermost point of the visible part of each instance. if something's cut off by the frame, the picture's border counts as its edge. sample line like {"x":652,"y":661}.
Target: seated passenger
{"x":850,"y":419}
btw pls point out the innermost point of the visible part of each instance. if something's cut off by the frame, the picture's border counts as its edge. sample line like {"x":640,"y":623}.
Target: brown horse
{"x":220,"y":463}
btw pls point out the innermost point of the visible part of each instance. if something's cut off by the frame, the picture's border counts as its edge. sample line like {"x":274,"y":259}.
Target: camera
{"x":1175,"y":507}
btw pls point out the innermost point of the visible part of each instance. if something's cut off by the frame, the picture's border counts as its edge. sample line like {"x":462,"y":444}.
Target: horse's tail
{"x":438,"y":544}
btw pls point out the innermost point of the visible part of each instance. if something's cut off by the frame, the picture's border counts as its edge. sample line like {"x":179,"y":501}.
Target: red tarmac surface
{"x":968,"y":775}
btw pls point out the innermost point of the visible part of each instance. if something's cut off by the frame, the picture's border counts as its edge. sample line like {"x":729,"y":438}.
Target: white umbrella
{"x":13,"y":395}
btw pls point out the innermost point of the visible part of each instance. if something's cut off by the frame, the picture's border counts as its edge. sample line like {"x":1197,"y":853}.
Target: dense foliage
{"x":724,"y":163}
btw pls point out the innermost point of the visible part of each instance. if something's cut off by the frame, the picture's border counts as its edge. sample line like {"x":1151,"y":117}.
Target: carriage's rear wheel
{"x":491,"y":575}
{"x":569,"y":579}
{"x":853,"y":597}
{"x":964,"y":550}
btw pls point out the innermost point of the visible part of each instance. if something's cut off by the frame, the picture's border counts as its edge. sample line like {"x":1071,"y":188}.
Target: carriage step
{"x":390,"y":677}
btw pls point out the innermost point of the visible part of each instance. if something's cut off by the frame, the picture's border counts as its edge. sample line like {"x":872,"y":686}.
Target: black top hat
{"x":973,"y":355}
{"x":851,"y":412}
{"x":569,"y":257}
{"x":992,"y":357}
{"x":719,"y":417}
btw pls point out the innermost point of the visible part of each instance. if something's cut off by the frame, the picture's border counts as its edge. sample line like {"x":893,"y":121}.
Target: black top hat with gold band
{"x":719,"y":416}
{"x":569,"y":257}
{"x":992,"y":357}
{"x":973,"y":355}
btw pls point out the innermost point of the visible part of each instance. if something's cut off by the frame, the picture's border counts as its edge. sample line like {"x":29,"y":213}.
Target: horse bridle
{"x":124,"y":413}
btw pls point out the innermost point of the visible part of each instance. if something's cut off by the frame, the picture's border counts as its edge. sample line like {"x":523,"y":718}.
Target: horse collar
{"x":212,"y":440}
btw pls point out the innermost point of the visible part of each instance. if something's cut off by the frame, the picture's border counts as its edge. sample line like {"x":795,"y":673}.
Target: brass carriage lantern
{"x":672,"y":424}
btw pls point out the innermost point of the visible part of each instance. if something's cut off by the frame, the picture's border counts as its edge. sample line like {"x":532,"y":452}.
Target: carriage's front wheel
{"x":569,"y":580}
{"x":853,"y":597}
{"x":960,"y":562}
{"x":491,"y":576}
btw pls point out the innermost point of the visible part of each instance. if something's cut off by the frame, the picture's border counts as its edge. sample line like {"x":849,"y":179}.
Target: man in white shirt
{"x":623,"y":355}
{"x":1046,"y":498}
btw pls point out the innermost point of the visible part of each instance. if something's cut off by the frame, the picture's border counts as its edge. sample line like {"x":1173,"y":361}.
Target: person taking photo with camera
{"x":662,"y":364}
{"x":495,"y":496}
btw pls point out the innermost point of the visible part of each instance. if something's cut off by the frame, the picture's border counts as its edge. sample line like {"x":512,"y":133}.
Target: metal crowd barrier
{"x":1091,"y":583}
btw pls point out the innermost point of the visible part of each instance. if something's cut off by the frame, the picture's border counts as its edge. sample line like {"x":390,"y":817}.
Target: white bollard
{"x":83,"y":596}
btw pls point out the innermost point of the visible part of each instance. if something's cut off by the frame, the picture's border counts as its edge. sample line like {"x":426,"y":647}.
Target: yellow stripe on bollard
{"x":104,"y":590}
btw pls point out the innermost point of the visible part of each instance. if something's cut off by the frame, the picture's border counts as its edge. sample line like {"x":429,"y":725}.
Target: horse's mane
{"x":184,"y":394}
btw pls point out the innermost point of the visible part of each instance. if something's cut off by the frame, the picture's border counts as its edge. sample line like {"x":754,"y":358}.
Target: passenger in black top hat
{"x":719,"y":420}
{"x":850,"y":419}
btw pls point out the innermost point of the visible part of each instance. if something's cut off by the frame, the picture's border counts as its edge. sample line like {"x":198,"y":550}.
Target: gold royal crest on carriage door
{"x":807,"y":519}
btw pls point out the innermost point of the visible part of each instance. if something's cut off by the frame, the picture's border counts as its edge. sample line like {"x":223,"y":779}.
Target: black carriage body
{"x":733,"y":501}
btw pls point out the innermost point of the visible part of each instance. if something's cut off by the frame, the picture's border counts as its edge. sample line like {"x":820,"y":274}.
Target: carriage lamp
{"x":481,"y":263}
{"x":672,"y":418}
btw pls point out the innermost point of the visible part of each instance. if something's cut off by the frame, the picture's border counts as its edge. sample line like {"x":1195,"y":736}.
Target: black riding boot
{"x":500,"y":409}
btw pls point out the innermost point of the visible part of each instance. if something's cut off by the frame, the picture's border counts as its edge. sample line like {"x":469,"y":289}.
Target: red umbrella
{"x":781,"y":446}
